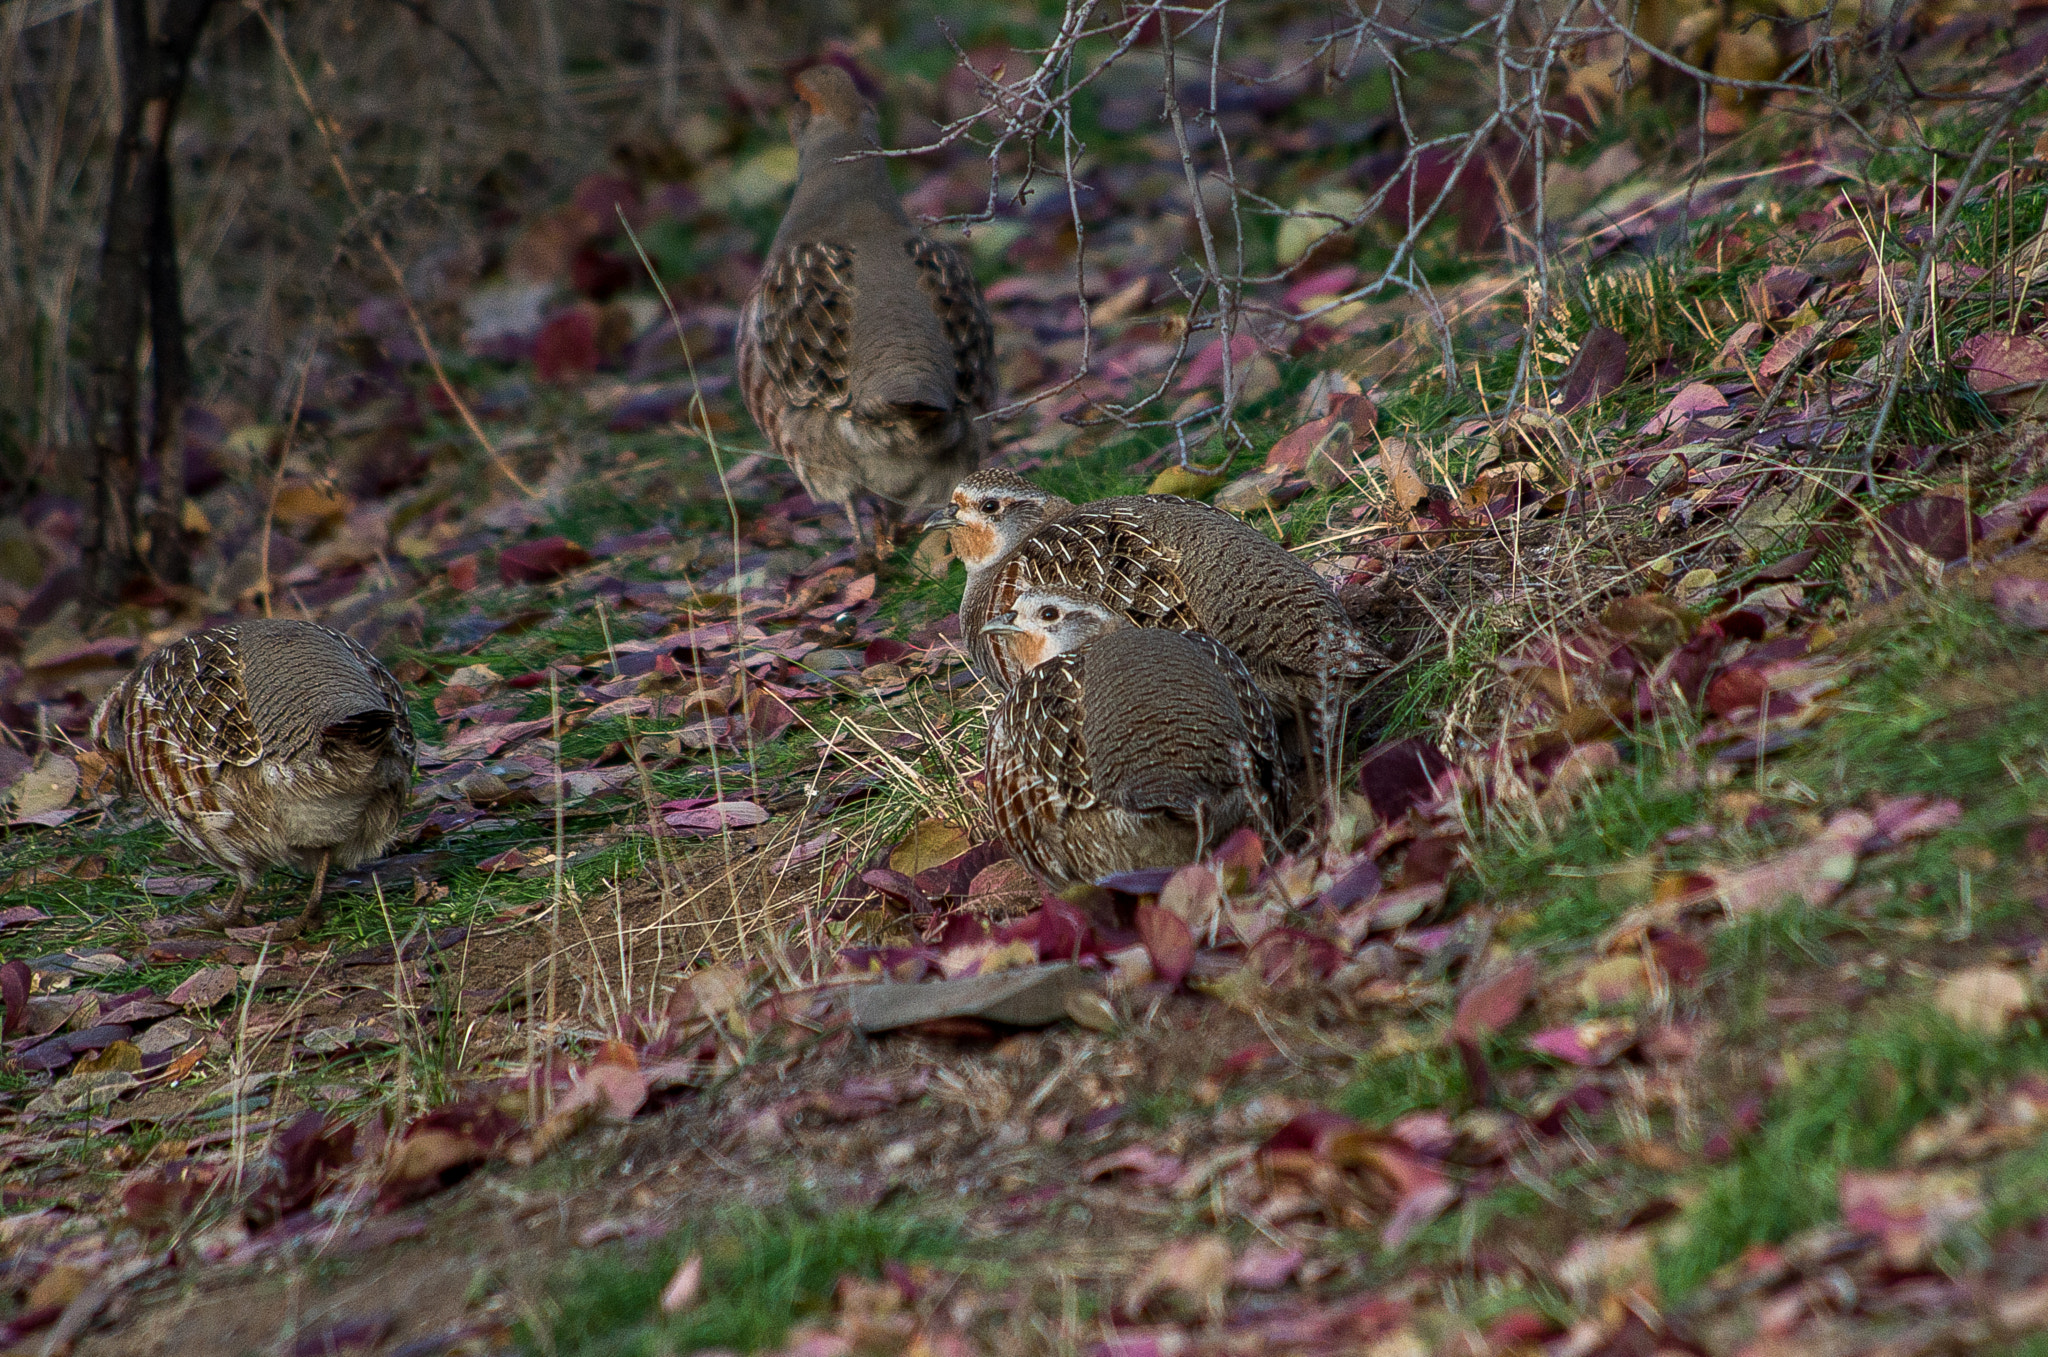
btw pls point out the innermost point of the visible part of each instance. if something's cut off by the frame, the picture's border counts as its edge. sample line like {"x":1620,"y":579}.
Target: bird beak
{"x":1001,"y":622}
{"x":944,"y":518}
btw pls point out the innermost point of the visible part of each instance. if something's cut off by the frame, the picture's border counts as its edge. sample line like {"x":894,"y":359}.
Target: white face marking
{"x":1057,"y":624}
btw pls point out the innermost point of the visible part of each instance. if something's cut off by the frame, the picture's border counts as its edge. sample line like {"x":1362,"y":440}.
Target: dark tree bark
{"x":138,"y":275}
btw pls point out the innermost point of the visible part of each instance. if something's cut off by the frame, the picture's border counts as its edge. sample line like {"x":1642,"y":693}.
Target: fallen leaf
{"x":47,"y":787}
{"x":538,"y":562}
{"x":1193,"y":1271}
{"x":930,"y":844}
{"x":720,"y":816}
{"x":1982,"y":999}
{"x":1167,"y":941}
{"x":1812,"y":874}
{"x":1494,"y":1002}
{"x":681,"y":1292}
{"x":205,"y":988}
{"x":1912,"y":1211}
{"x":1598,"y":369}
{"x":1590,"y":1044}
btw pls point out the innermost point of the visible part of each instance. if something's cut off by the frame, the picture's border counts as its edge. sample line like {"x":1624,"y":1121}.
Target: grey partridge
{"x":1124,"y":747}
{"x":266,"y":743}
{"x":865,"y":352}
{"x":1163,"y":561}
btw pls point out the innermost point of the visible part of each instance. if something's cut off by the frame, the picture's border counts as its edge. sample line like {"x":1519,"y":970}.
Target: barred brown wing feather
{"x":802,"y":324}
{"x":956,"y":296}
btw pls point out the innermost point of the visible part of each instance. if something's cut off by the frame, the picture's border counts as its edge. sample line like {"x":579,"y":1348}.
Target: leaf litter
{"x":633,"y":693}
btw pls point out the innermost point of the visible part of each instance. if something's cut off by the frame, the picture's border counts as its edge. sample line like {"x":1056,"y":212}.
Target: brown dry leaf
{"x":1982,"y":999}
{"x":48,"y":786}
{"x":120,"y":1055}
{"x":205,"y":988}
{"x":302,"y":504}
{"x":930,"y":843}
{"x":1197,"y":1271}
{"x":1403,"y":481}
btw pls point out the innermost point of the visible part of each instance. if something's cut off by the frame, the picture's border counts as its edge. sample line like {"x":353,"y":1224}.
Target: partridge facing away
{"x":865,"y":352}
{"x":1162,"y":561}
{"x":266,"y":743}
{"x":1124,"y":747}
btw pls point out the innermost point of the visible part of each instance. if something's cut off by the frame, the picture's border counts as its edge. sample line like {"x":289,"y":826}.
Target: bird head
{"x":1046,"y":623}
{"x":993,"y":511}
{"x":832,"y":120}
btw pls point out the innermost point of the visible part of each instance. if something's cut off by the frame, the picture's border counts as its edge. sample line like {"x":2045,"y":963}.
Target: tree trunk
{"x":138,"y":271}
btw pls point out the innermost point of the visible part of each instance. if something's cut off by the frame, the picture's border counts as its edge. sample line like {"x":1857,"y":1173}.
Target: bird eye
{"x":989,"y":506}
{"x":1048,"y":613}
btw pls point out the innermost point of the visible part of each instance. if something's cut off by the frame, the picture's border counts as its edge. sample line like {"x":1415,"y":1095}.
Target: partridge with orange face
{"x":865,"y":352}
{"x":1123,"y":747}
{"x":1161,"y":561}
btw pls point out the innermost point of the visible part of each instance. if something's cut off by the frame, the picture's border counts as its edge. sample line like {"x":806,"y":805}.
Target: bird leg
{"x":224,"y":916}
{"x":865,"y":559}
{"x":311,"y":914}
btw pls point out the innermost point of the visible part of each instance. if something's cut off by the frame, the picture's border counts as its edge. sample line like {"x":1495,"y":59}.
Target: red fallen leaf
{"x":1598,"y":369}
{"x":1400,"y":775}
{"x":956,"y":876}
{"x":1519,"y":1328}
{"x":1494,"y":1002}
{"x":1591,"y":1044}
{"x":440,"y":1148}
{"x":566,"y":347}
{"x":613,"y":1085}
{"x":885,"y":650}
{"x":1586,"y":1099}
{"x":462,"y":573}
{"x":511,"y":860}
{"x":14,"y":985}
{"x":159,"y":1198}
{"x":1167,"y":941}
{"x":537,"y":562}
{"x":1291,"y":453}
{"x":1679,"y":957}
{"x":1058,"y":929}
{"x":1998,"y":362}
{"x":207,"y":987}
{"x":307,"y":1156}
{"x":1745,"y":685}
{"x":768,"y":716}
{"x":1241,"y":855}
{"x":1782,"y":353}
{"x":15,"y":915}
{"x":2021,"y":602}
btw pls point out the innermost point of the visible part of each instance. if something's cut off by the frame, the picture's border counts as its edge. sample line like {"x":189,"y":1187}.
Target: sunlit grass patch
{"x":763,"y":1271}
{"x":1850,"y":1110}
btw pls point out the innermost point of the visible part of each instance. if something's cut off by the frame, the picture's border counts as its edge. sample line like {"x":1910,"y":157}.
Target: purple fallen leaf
{"x":1598,"y":369}
{"x":2021,"y":602}
{"x":1694,"y":400}
{"x":722,"y":815}
{"x":1591,"y":1044}
{"x":15,"y":915}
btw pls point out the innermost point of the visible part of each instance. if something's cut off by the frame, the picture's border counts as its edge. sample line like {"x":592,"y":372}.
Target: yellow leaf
{"x":929,"y":844}
{"x":1185,"y":481}
{"x":122,"y":1055}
